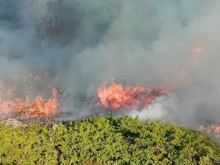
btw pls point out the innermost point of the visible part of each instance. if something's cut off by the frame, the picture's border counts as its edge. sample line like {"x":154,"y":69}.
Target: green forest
{"x":106,"y":140}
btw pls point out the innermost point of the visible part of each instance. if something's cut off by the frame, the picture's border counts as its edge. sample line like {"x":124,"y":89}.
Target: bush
{"x":106,"y":140}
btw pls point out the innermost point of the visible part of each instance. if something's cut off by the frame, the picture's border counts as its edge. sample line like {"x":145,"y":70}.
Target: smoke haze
{"x":82,"y":44}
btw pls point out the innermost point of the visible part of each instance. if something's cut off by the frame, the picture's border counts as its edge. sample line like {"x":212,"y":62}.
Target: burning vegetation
{"x":24,"y":107}
{"x":79,"y":43}
{"x":214,"y":128}
{"x":117,"y":95}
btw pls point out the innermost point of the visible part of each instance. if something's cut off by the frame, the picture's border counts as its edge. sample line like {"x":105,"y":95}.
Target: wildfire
{"x":214,"y":128}
{"x":24,"y":107}
{"x":117,"y":96}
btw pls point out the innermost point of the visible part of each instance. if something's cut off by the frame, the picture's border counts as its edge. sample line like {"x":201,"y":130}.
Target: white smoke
{"x":84,"y":43}
{"x":162,"y":108}
{"x":156,"y":110}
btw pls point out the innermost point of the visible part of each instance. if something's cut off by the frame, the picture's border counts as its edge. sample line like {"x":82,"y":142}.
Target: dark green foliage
{"x":106,"y":140}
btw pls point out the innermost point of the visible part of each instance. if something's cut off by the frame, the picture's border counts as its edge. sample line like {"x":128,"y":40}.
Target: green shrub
{"x":106,"y":140}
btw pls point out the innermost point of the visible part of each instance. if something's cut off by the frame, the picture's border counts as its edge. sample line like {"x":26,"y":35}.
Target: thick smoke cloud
{"x":84,"y":43}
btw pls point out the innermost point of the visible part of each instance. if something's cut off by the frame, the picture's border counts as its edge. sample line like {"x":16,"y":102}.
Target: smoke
{"x":83,"y":43}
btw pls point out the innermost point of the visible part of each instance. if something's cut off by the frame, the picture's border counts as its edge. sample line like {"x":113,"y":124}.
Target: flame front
{"x":24,"y":108}
{"x":214,"y":128}
{"x":118,"y":96}
{"x":38,"y":107}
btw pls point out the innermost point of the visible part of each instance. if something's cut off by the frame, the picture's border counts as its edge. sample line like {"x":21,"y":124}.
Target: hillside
{"x":105,"y":140}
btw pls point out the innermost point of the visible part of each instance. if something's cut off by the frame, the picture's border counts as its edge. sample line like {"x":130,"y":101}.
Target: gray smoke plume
{"x":82,"y":43}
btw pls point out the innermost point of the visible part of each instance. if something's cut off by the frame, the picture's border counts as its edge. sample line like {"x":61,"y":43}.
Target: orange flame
{"x":25,"y":108}
{"x":38,"y":107}
{"x":118,"y":96}
{"x":214,"y":128}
